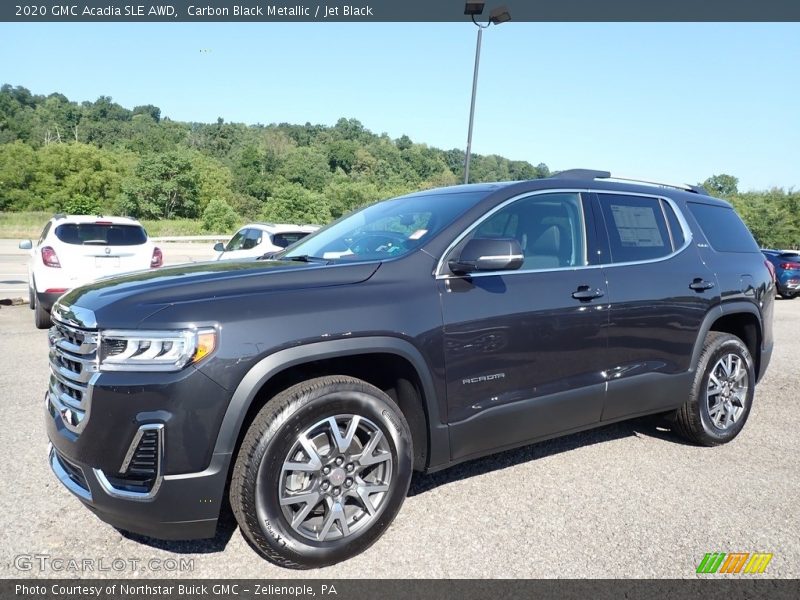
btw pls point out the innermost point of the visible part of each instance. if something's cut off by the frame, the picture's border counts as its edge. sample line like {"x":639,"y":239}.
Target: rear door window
{"x":101,"y":234}
{"x":724,"y":229}
{"x":637,"y":228}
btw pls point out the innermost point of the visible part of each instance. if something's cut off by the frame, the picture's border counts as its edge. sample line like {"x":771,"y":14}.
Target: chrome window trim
{"x":687,"y":232}
{"x":440,"y":271}
{"x":115,"y":492}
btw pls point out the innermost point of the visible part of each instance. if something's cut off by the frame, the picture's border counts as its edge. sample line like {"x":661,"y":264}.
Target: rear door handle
{"x":584,"y":294}
{"x":700,"y":285}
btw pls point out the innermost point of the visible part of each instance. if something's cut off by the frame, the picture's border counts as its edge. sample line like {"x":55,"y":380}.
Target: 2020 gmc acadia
{"x":414,"y":334}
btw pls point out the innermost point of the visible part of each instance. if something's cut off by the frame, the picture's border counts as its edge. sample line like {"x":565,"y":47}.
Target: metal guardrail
{"x":191,"y":238}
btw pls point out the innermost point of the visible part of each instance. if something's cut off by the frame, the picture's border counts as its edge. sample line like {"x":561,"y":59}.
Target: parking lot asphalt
{"x":629,"y":500}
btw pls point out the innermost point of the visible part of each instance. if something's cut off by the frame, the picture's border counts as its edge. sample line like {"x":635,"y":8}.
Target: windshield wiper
{"x":306,"y":259}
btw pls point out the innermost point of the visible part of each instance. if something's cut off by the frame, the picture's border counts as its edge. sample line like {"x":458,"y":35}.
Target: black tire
{"x":274,"y":432}
{"x":31,"y":298}
{"x":786,"y":295}
{"x":40,"y":316}
{"x":694,"y":420}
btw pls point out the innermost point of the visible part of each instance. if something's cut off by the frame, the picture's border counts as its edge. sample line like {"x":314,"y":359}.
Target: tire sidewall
{"x":274,"y":446}
{"x":727,"y":345}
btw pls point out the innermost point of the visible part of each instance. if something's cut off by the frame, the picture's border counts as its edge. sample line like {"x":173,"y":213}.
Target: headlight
{"x":154,"y":350}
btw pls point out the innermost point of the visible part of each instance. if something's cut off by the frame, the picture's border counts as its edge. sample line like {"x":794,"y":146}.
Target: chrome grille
{"x":73,"y":364}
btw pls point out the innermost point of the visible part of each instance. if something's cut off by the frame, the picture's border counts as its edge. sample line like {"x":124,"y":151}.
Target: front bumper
{"x":184,"y":507}
{"x":182,"y":497}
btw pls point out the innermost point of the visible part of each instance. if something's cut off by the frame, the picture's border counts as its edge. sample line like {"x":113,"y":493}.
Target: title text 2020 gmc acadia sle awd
{"x":414,"y":334}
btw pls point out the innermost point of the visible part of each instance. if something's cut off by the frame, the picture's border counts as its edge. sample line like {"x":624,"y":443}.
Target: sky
{"x":674,"y":102}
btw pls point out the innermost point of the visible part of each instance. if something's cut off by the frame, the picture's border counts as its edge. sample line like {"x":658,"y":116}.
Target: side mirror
{"x":25,"y":245}
{"x":219,"y":247}
{"x":488,"y":254}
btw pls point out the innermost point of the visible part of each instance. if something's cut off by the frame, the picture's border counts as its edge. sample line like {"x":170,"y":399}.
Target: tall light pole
{"x":497,"y":16}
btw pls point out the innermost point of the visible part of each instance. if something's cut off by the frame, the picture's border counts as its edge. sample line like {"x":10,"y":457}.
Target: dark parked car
{"x":414,"y":334}
{"x":786,"y":264}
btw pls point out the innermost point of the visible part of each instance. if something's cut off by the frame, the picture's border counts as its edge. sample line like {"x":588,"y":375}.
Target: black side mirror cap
{"x":219,"y":247}
{"x":487,"y":255}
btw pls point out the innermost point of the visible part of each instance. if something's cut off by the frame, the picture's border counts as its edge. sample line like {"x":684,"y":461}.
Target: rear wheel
{"x":786,"y":295}
{"x":322,"y":472}
{"x":40,"y":316}
{"x":721,"y":394}
{"x":31,"y":297}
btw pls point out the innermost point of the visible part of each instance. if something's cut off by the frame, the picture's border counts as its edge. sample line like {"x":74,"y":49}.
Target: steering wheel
{"x":378,"y":242}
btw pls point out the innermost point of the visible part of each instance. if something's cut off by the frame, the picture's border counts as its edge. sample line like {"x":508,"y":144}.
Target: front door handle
{"x":700,"y":285}
{"x":585,"y":294}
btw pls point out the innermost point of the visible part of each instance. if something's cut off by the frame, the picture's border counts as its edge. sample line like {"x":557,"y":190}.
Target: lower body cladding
{"x":141,"y":459}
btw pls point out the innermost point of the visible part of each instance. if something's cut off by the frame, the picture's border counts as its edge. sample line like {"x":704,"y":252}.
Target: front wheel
{"x":721,"y":394}
{"x":322,"y":472}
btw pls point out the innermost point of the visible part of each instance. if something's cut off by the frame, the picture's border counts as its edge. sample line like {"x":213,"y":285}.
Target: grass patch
{"x":29,"y":225}
{"x":23,"y":225}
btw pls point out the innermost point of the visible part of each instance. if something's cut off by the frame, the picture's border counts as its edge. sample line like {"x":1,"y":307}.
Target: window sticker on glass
{"x":418,"y":234}
{"x":637,"y":226}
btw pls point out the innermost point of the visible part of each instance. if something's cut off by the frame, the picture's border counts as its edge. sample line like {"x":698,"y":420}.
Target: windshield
{"x":387,"y":229}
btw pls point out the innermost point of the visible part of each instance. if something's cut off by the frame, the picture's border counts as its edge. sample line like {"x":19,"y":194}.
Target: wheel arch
{"x":741,"y":319}
{"x":413,"y":391}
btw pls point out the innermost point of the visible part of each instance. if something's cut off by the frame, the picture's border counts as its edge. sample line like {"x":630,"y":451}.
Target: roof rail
{"x":59,"y":216}
{"x":592,"y":174}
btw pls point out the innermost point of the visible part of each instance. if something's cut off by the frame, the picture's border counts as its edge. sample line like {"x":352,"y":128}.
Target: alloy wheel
{"x":336,"y":477}
{"x":726,"y":391}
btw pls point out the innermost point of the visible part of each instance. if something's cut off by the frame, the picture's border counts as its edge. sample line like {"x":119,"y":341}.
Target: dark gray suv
{"x":414,"y":334}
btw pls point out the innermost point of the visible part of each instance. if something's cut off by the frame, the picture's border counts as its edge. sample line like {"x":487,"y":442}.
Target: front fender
{"x":272,"y":365}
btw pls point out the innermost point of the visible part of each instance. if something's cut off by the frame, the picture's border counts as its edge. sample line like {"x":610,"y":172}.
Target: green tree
{"x":18,"y":170}
{"x":219,"y":217}
{"x":162,"y":186}
{"x":722,"y":185}
{"x":292,"y":203}
{"x":69,"y":170}
{"x":82,"y":205}
{"x":307,"y":166}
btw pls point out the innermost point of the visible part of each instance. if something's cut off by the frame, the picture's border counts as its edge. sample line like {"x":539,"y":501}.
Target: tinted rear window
{"x":723,"y":228}
{"x":287,"y":238}
{"x":101,"y":234}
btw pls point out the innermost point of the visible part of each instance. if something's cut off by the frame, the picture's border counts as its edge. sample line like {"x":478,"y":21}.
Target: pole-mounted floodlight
{"x":474,"y":8}
{"x":498,"y":15}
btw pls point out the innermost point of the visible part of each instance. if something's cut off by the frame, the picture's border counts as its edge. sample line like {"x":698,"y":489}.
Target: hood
{"x":124,"y":301}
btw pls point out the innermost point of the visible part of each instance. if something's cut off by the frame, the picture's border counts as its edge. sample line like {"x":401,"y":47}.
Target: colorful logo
{"x":735,"y":562}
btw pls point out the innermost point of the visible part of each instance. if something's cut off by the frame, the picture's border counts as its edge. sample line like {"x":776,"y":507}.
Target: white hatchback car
{"x":257,"y":239}
{"x":76,"y":250}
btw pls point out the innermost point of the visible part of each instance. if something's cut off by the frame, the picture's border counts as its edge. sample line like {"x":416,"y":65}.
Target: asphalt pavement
{"x":630,"y":500}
